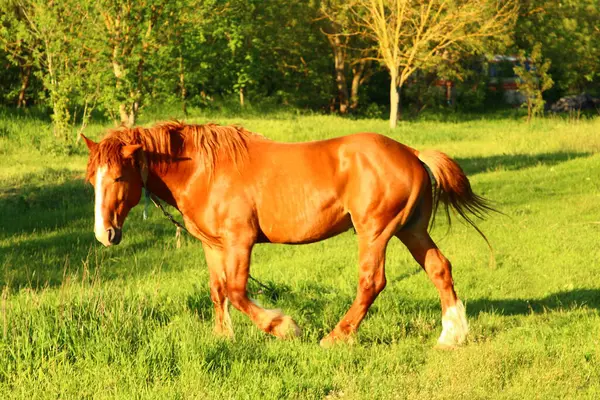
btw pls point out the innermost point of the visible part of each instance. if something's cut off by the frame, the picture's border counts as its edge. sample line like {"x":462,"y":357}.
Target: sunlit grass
{"x":78,"y":320}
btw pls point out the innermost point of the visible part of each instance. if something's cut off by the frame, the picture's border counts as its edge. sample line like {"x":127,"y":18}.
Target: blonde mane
{"x":166,"y":141}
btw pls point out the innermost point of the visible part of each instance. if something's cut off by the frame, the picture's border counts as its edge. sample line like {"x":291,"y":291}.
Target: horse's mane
{"x":166,"y":141}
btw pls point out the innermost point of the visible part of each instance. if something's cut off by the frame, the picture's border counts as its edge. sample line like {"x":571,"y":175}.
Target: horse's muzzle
{"x":114,"y":235}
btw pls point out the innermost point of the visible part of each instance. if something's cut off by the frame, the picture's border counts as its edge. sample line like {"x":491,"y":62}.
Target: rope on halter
{"x":149,"y":196}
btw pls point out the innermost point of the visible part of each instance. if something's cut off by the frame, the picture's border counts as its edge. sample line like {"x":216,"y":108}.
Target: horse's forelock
{"x":107,"y":153}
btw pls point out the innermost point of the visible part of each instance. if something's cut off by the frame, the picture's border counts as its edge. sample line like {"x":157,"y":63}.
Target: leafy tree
{"x":18,"y":44}
{"x":52,"y":35}
{"x":129,"y":31}
{"x":414,"y":34}
{"x":533,"y":80}
{"x":255,"y":48}
{"x":569,"y":33}
{"x":349,"y":50}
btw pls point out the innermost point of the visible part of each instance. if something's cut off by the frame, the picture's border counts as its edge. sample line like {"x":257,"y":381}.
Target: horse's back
{"x":335,"y":153}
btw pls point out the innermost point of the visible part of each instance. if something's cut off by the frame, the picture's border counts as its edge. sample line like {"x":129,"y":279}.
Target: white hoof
{"x":455,"y":326}
{"x":279,"y":324}
{"x":287,"y":328}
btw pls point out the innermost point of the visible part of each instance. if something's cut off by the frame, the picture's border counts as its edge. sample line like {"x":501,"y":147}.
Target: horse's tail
{"x":453,"y":189}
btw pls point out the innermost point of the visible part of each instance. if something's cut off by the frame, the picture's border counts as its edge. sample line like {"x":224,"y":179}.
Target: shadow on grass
{"x":310,"y":305}
{"x":312,"y":299}
{"x":514,"y":162}
{"x":46,"y":234}
{"x":36,"y":206}
{"x":577,"y":298}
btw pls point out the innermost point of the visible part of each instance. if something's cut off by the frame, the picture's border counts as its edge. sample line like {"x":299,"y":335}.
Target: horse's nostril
{"x":117,"y":237}
{"x":114,"y":235}
{"x":111,"y":234}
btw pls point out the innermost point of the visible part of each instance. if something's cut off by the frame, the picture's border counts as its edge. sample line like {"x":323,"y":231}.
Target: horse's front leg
{"x":218,"y":290}
{"x":237,"y":264}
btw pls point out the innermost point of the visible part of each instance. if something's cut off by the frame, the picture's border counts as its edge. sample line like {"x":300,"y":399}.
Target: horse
{"x":235,"y":188}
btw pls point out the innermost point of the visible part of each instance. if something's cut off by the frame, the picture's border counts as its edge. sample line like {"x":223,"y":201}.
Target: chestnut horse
{"x":235,"y":188}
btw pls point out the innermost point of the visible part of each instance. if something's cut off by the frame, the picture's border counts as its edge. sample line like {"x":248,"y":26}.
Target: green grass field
{"x":135,"y":321}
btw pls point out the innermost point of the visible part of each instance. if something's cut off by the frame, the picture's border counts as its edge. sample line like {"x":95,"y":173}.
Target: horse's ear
{"x":90,"y":143}
{"x":129,"y":150}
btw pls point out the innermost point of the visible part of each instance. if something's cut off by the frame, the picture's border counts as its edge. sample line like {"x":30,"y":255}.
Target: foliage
{"x":50,"y":35}
{"x":534,"y":80}
{"x":412,"y":35}
{"x":17,"y":49}
{"x":570,"y":37}
{"x":118,"y":58}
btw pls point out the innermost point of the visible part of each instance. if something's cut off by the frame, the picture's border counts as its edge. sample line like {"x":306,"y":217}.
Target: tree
{"x":130,"y":29}
{"x":18,"y":43}
{"x":249,"y":53}
{"x":349,"y":50}
{"x":414,"y":34}
{"x":562,"y":25}
{"x":533,"y":80}
{"x":176,"y":54}
{"x":335,"y":13}
{"x":52,"y":34}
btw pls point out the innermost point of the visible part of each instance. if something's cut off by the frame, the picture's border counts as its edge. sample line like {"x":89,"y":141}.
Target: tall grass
{"x":135,"y":321}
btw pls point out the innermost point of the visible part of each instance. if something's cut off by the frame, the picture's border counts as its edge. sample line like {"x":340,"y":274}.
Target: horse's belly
{"x":307,"y":226}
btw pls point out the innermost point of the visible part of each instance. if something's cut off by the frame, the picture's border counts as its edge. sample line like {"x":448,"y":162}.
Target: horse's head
{"x":117,"y":181}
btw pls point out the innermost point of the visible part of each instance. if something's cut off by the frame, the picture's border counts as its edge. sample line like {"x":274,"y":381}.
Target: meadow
{"x":135,"y":321}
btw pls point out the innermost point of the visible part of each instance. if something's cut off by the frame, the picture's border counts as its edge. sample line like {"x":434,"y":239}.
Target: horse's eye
{"x":119,"y":179}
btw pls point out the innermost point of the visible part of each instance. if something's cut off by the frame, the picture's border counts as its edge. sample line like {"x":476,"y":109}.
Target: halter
{"x":149,"y":196}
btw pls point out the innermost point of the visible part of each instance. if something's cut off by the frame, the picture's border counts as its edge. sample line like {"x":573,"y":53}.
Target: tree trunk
{"x":400,"y":102}
{"x":394,"y":99}
{"x":133,"y":113}
{"x":340,"y":71}
{"x":60,"y":112}
{"x":357,"y":79}
{"x":241,"y":96}
{"x":124,"y":114}
{"x":128,"y":113}
{"x":26,"y":75}
{"x":119,"y":73}
{"x":183,"y":91}
{"x":129,"y":108}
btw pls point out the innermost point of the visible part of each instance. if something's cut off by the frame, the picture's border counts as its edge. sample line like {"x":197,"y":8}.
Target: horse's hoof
{"x":223,"y":333}
{"x":287,"y":328}
{"x":333,"y":339}
{"x":445,"y":347}
{"x":327,"y":342}
{"x":455,"y":327}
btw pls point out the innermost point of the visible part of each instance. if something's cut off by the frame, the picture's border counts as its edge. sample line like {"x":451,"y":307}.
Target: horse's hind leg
{"x":439,"y":270}
{"x":218,"y":290}
{"x":371,"y":282}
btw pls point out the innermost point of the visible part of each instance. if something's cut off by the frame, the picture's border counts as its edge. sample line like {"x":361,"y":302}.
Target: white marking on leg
{"x":255,"y":302}
{"x":285,"y":329}
{"x":455,"y":326}
{"x":227,"y":319}
{"x":99,"y":227}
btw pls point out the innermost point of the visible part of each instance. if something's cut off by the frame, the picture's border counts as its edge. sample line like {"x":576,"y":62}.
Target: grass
{"x":135,"y":321}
